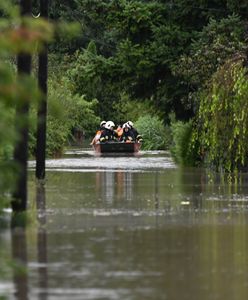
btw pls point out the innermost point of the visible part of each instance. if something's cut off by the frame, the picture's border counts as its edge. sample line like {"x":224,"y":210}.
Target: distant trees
{"x":140,"y":46}
{"x":215,"y":70}
{"x":167,"y":54}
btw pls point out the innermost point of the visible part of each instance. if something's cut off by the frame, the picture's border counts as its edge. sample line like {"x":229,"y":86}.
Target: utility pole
{"x":42,"y":110}
{"x":19,"y":201}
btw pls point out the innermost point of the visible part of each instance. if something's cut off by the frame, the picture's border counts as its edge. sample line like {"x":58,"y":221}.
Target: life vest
{"x":119,"y":131}
{"x":98,"y":135}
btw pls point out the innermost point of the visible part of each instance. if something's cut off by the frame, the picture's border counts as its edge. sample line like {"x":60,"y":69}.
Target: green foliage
{"x":24,"y":35}
{"x":18,"y":35}
{"x":142,"y":46}
{"x":12,"y":93}
{"x":57,"y":135}
{"x":139,"y":45}
{"x":5,"y":266}
{"x":78,"y":112}
{"x":85,"y":73}
{"x":89,"y":75}
{"x":129,"y":109}
{"x":223,"y":118}
{"x":65,"y":113}
{"x":217,"y":42}
{"x":182,"y":149}
{"x":155,"y":135}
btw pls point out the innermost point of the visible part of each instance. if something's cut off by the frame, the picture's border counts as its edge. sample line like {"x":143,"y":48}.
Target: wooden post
{"x":19,"y":201}
{"x":42,"y":110}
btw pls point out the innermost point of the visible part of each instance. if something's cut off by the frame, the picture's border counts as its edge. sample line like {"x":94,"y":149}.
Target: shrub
{"x":131,"y":109}
{"x":185,"y":146}
{"x":155,"y":135}
{"x":65,"y":112}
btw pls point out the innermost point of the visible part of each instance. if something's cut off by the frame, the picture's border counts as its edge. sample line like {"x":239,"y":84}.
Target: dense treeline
{"x":138,"y":48}
{"x":162,"y":58}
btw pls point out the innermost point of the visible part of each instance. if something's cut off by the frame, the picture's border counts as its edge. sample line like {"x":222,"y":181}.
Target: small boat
{"x":117,"y":147}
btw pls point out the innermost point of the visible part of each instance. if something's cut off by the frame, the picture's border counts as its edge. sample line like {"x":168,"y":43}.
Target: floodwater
{"x":131,"y":228}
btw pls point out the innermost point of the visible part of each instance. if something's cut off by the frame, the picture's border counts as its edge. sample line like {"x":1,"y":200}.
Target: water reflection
{"x":108,"y":187}
{"x":116,"y":185}
{"x":19,"y":255}
{"x":107,"y":231}
{"x":22,"y":246}
{"x":42,"y":241}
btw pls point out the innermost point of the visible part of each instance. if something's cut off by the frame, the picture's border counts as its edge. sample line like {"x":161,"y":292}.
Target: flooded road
{"x":131,"y":228}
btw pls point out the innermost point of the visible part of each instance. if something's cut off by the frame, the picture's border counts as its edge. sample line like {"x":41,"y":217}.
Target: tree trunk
{"x":19,"y":202}
{"x":42,"y":111}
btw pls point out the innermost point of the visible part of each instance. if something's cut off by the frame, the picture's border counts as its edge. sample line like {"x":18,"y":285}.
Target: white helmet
{"x":102,"y":124}
{"x":109,"y":124}
{"x":125,"y":125}
{"x":130,"y":123}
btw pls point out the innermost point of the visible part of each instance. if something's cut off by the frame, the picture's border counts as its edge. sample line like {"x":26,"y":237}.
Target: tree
{"x":217,"y":42}
{"x":140,"y":44}
{"x":222,"y":120}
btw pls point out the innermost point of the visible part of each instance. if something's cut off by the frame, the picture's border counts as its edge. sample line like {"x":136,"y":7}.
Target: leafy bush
{"x":183,"y":149}
{"x":129,"y":109}
{"x":65,"y":112}
{"x":155,"y":135}
{"x":9,"y":89}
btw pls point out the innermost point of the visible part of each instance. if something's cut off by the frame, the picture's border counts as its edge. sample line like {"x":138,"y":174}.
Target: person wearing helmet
{"x":119,"y":131}
{"x":98,"y":133}
{"x":109,"y":134}
{"x":137,"y":136}
{"x":127,"y":135}
{"x":102,"y":125}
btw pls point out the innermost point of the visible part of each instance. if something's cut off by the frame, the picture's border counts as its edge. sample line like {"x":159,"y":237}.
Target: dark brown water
{"x":131,"y":228}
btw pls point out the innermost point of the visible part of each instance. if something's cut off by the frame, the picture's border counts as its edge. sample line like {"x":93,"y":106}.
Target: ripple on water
{"x":85,"y":293}
{"x":93,"y":163}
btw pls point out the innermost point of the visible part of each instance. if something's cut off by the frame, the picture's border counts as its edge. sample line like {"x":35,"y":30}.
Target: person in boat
{"x":127,"y":135}
{"x":96,"y":138}
{"x":109,"y":134}
{"x":137,"y":136}
{"x":119,"y":131}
